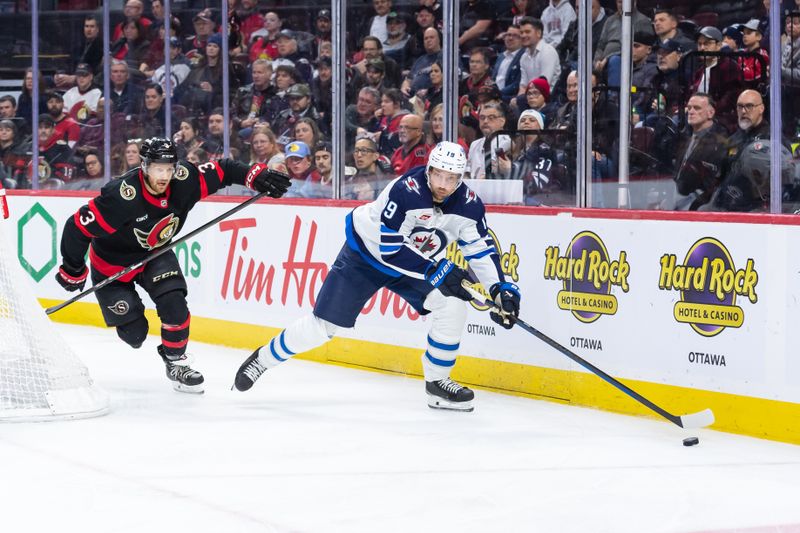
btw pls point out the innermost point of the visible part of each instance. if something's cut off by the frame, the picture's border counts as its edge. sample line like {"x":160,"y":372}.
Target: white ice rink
{"x":319,"y":448}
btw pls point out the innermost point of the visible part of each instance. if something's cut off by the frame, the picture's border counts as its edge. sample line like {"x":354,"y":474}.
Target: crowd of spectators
{"x":698,"y":100}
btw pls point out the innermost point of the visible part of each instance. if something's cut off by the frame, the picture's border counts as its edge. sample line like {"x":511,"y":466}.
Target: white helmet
{"x":448,"y":156}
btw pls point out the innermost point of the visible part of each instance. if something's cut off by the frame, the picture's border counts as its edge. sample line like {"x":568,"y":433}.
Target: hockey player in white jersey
{"x":397,"y":242}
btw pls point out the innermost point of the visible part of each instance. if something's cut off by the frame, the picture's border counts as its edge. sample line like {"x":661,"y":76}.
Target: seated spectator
{"x":252,"y":102}
{"x":187,"y":137}
{"x":55,"y":156}
{"x":665,"y":24}
{"x":153,"y":116}
{"x":66,"y":128}
{"x":8,"y":107}
{"x":389,"y":116}
{"x":305,"y":178}
{"x":178,"y":67}
{"x":720,"y":77}
{"x":306,"y":130}
{"x":475,"y":25}
{"x":732,"y":39}
{"x":132,"y":10}
{"x":556,"y":18}
{"x":507,"y":71}
{"x":418,"y":77}
{"x":264,"y":42}
{"x":155,"y":54}
{"x":432,"y":96}
{"x":566,"y":117}
{"x":755,"y":67}
{"x":92,"y":131}
{"x":372,"y":48}
{"x":359,"y":118}
{"x":643,"y":71}
{"x":539,"y":58}
{"x":215,"y":137}
{"x":536,"y":97}
{"x":323,"y":161}
{"x":667,"y":81}
{"x":300,"y":106}
{"x":371,"y":175}
{"x":133,"y":46}
{"x":425,"y":18}
{"x":201,"y":91}
{"x":532,"y":160}
{"x":568,"y":47}
{"x":790,"y":74}
{"x":480,"y":75}
{"x":436,"y":130}
{"x":700,"y":157}
{"x":125,"y":156}
{"x":14,"y":157}
{"x":264,"y":148}
{"x":322,"y":30}
{"x":289,"y":54}
{"x":25,"y":100}
{"x":609,"y":43}
{"x":491,"y":118}
{"x":197,"y":156}
{"x":376,"y":75}
{"x":195,"y":45}
{"x":250,"y":20}
{"x":89,"y":52}
{"x":91,"y":171}
{"x":126,"y":97}
{"x":322,"y":90}
{"x":413,"y":151}
{"x":398,"y":44}
{"x":376,"y":24}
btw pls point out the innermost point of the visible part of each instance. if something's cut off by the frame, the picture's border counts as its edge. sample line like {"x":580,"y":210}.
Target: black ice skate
{"x":249,"y":372}
{"x":447,"y":394}
{"x":183,"y":377}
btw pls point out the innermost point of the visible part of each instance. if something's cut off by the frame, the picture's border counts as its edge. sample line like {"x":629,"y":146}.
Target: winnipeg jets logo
{"x":471,"y":196}
{"x":412,"y":185}
{"x":428,"y":241}
{"x":159,"y":234}
{"x":119,"y":308}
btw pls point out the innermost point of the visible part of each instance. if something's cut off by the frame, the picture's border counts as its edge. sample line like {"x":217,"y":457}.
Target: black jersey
{"x":126,"y":222}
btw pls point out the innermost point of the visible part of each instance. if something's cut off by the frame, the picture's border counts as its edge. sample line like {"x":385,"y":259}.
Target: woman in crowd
{"x":264,"y":148}
{"x":133,"y":46}
{"x":188,"y":137}
{"x":202,"y":90}
{"x":435,"y":130}
{"x":389,"y":114}
{"x":306,"y":130}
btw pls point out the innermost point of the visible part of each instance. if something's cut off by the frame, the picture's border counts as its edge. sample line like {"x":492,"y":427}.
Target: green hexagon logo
{"x":30,"y":217}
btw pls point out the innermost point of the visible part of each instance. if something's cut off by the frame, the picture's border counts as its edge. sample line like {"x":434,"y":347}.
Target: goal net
{"x":41,"y":378}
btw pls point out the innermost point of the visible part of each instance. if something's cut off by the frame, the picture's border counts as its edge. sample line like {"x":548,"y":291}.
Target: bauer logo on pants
{"x":709,"y":284}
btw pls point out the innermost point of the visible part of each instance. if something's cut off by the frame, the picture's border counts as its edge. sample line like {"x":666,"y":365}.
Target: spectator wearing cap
{"x":790,"y":73}
{"x":133,"y":46}
{"x":126,"y":96}
{"x":322,"y":89}
{"x":475,"y":24}
{"x":203,"y":23}
{"x":700,"y":156}
{"x":670,"y":90}
{"x":755,"y":65}
{"x":375,"y":76}
{"x":610,"y":38}
{"x":665,"y":24}
{"x":264,"y":42}
{"x":304,"y":176}
{"x":288,"y":53}
{"x":531,"y":160}
{"x":491,"y":118}
{"x":556,"y":18}
{"x":540,"y":58}
{"x":179,"y":68}
{"x":132,"y":10}
{"x":66,"y":129}
{"x":80,"y":102}
{"x":413,"y":151}
{"x":398,"y":44}
{"x":252,"y":102}
{"x":300,"y":106}
{"x":55,"y":156}
{"x":643,"y":70}
{"x":720,"y":77}
{"x":250,"y":20}
{"x":375,"y":25}
{"x":507,"y":72}
{"x":424,"y":18}
{"x":732,"y":38}
{"x":537,"y":97}
{"x":322,"y":30}
{"x":372,"y":48}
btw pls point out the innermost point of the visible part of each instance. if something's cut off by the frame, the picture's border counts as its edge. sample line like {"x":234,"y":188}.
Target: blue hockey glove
{"x":506,"y":296}
{"x":447,"y":277}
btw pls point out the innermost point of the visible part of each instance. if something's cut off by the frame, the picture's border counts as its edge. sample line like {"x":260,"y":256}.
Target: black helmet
{"x":158,"y":150}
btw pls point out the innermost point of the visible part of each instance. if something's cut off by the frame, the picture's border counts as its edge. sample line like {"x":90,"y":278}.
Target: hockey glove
{"x":447,"y":277}
{"x":71,"y":279}
{"x":506,"y":296}
{"x":262,"y":179}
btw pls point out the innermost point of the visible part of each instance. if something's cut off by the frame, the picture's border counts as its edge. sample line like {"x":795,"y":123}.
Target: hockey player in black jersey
{"x":134,"y":214}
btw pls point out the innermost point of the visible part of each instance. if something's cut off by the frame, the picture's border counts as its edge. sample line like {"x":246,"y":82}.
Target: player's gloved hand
{"x":447,"y":277}
{"x":506,"y":296}
{"x":72,"y":279}
{"x":263,"y":179}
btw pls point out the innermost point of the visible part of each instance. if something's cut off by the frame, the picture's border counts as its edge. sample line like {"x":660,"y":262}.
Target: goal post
{"x":41,"y":377}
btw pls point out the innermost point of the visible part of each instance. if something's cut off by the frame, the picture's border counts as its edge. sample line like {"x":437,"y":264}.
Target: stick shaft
{"x":157,"y":253}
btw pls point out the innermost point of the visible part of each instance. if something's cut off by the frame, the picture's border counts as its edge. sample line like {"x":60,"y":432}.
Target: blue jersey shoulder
{"x":411,"y":190}
{"x":466,"y":203}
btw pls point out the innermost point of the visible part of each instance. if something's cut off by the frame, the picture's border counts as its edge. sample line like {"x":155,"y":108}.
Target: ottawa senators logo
{"x":127,"y":192}
{"x":181,"y":173}
{"x":160,"y":234}
{"x":119,"y":308}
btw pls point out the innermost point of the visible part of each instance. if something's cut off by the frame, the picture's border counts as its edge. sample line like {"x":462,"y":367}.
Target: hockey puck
{"x":691,"y":441}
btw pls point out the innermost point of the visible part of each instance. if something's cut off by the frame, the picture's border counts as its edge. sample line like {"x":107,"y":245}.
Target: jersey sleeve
{"x":99,"y":217}
{"x":478,"y":248}
{"x":397,"y":223}
{"x":213,"y":175}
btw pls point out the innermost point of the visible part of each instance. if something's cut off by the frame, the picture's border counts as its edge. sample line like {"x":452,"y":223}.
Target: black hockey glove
{"x":447,"y":277}
{"x":71,"y":279}
{"x":262,"y":179}
{"x":506,"y":296}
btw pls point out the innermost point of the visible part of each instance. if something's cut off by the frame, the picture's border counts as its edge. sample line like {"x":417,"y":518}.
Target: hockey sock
{"x":448,"y":316}
{"x":302,"y":335}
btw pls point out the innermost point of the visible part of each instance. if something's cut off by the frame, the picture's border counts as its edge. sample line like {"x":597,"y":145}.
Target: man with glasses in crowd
{"x":507,"y":71}
{"x":491,"y":118}
{"x":413,"y":151}
{"x":718,"y":76}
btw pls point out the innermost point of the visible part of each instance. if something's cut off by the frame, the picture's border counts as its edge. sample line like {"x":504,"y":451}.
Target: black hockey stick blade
{"x":160,"y":251}
{"x":694,"y":420}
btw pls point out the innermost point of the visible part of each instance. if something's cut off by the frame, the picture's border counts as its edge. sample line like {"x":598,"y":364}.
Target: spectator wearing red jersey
{"x":66,"y":129}
{"x":133,"y":11}
{"x":413,"y":151}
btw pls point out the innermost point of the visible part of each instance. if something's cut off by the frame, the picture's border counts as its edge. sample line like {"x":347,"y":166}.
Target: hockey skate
{"x":183,"y":377}
{"x":249,"y":372}
{"x":447,"y":394}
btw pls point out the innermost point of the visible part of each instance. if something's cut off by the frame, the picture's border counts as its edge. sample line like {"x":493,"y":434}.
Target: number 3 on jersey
{"x":88,"y":218}
{"x":391,"y":209}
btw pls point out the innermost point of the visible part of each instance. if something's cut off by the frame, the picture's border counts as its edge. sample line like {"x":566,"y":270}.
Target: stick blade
{"x":697,"y":420}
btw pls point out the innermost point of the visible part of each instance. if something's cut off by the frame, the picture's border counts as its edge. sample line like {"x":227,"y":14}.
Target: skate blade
{"x":188,"y":389}
{"x":434,"y":402}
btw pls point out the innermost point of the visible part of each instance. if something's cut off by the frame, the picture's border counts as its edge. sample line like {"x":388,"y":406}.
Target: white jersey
{"x":403,"y":232}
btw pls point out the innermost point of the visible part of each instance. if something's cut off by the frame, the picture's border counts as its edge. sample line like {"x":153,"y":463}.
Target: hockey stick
{"x":163,"y":250}
{"x":694,"y":420}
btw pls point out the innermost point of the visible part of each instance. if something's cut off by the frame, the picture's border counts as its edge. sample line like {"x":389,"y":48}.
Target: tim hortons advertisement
{"x":695,"y":304}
